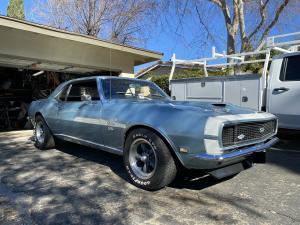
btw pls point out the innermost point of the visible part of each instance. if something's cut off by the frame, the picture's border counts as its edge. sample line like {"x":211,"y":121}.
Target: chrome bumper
{"x":239,"y":153}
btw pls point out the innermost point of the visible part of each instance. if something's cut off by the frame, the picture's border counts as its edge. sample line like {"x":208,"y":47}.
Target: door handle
{"x":244,"y":99}
{"x":281,"y":89}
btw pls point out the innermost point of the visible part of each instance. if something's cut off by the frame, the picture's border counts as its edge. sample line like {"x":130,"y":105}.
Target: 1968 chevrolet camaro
{"x":155,"y":134}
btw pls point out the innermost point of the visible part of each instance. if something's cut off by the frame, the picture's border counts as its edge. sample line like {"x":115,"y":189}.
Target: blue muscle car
{"x":156,"y":135}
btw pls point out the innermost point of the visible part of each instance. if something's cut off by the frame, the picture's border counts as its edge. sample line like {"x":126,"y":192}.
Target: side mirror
{"x":86,"y":98}
{"x":174,"y":98}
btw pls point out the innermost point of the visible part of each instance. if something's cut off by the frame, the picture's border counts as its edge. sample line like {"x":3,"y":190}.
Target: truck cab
{"x":283,"y":90}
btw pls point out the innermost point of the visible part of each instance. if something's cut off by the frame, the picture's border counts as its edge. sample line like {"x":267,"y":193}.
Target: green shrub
{"x":163,"y":80}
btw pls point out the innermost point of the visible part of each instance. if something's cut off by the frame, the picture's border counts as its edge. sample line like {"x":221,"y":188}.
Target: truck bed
{"x":241,"y":90}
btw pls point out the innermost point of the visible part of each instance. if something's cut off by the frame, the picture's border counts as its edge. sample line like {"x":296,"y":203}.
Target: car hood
{"x":210,"y":107}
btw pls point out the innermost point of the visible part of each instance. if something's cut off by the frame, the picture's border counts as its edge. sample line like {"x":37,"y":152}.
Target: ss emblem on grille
{"x":262,"y":129}
{"x":241,"y":136}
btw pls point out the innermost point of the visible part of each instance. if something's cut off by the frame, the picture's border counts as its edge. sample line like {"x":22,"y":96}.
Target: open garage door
{"x":19,"y":87}
{"x":34,"y":59}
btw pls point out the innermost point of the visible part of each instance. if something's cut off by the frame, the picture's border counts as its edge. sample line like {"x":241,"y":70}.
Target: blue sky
{"x":168,"y":43}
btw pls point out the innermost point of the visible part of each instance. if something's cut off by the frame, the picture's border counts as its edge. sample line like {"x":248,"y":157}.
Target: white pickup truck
{"x":283,"y":90}
{"x":276,"y":90}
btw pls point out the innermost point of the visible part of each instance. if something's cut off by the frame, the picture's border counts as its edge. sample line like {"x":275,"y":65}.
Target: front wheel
{"x":42,"y":134}
{"x":148,"y":160}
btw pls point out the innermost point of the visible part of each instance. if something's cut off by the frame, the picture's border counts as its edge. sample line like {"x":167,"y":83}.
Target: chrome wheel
{"x":142,"y":158}
{"x":40,"y":132}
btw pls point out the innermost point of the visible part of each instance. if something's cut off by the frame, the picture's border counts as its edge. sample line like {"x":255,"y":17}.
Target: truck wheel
{"x":42,"y":134}
{"x":148,"y":160}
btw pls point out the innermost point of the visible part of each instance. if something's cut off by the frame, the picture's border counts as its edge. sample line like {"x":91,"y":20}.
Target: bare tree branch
{"x":210,"y":36}
{"x":245,"y":40}
{"x":274,"y":21}
{"x":118,"y":20}
{"x":263,"y":16}
{"x":231,"y":24}
{"x":217,"y":2}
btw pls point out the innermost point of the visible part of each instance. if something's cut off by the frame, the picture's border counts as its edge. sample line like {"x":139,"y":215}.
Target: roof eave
{"x":54,"y":32}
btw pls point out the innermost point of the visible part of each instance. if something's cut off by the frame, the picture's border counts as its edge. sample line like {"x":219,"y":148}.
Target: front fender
{"x":180,"y":129}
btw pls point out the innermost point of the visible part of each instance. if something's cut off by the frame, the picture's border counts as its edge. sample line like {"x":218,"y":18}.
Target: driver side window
{"x":80,"y":90}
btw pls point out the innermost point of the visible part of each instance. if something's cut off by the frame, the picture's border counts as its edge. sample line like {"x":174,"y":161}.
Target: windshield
{"x":122,"y":88}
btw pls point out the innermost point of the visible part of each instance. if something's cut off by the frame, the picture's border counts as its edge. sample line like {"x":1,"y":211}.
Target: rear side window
{"x":81,"y":88}
{"x":290,"y":70}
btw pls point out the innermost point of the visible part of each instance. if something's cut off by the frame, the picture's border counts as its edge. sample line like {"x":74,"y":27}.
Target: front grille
{"x":235,"y":134}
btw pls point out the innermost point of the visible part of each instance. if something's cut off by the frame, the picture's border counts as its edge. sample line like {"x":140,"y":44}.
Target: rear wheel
{"x":42,"y":134}
{"x":148,"y":160}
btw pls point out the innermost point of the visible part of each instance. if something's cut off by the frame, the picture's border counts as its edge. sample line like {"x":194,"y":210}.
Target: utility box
{"x":241,"y":90}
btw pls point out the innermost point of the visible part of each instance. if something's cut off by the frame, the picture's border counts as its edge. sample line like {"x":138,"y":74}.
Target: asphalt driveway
{"x":79,"y":185}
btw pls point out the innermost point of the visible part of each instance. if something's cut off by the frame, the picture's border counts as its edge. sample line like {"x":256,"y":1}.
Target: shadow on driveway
{"x":286,"y":154}
{"x":80,"y":185}
{"x":198,"y":181}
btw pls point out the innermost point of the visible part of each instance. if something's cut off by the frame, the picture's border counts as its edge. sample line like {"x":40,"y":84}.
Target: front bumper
{"x":207,"y":161}
{"x":241,"y":152}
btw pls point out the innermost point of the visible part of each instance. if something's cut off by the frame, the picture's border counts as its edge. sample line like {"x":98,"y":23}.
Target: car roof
{"x":63,"y":85}
{"x":103,"y":78}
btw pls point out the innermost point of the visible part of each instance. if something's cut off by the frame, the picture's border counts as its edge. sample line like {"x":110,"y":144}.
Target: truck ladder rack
{"x":269,"y":44}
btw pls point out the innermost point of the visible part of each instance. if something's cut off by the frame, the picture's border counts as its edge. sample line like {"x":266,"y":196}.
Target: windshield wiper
{"x":158,"y":96}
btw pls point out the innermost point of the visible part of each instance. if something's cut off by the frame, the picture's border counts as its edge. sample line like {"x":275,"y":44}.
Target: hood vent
{"x":219,"y":104}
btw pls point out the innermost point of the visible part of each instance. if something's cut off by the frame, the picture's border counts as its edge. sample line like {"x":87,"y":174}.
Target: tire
{"x":42,"y":135}
{"x":148,"y":160}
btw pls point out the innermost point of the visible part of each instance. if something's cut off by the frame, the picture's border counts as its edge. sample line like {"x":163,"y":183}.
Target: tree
{"x":123,"y":21}
{"x":237,"y":21}
{"x":247,"y":22}
{"x":15,"y":9}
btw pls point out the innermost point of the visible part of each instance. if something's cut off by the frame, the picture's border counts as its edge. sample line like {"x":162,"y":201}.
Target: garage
{"x":35,"y":59}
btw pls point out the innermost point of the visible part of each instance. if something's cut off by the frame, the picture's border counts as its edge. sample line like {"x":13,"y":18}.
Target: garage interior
{"x":35,"y":59}
{"x":19,"y":87}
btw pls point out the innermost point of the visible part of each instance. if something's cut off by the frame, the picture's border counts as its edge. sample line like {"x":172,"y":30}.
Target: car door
{"x":116,"y":107}
{"x":57,"y":103}
{"x":80,"y":114}
{"x":284,"y":92}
